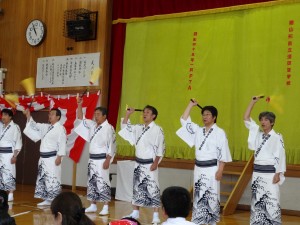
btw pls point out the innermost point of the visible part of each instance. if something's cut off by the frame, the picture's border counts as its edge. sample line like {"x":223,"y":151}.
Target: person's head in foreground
{"x":5,"y":218}
{"x":176,"y":202}
{"x":67,"y":210}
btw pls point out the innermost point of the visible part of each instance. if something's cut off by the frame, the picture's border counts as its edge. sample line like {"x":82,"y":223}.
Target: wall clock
{"x":35,"y":32}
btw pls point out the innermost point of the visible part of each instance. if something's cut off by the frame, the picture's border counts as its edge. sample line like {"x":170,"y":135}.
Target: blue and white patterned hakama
{"x":206,"y":207}
{"x":265,"y":202}
{"x":146,"y":191}
{"x":48,"y":182}
{"x":7,"y":172}
{"x":98,"y":185}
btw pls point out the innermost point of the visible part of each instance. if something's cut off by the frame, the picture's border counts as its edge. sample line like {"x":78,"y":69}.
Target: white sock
{"x":155,"y":215}
{"x":105,"y":207}
{"x":136,"y":212}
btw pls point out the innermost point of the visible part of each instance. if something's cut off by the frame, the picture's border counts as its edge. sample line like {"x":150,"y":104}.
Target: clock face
{"x":35,"y":32}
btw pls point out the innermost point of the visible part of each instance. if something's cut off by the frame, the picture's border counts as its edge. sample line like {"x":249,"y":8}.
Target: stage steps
{"x":243,"y":175}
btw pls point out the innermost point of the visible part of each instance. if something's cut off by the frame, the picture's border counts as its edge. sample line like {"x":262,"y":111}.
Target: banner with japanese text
{"x":221,"y":59}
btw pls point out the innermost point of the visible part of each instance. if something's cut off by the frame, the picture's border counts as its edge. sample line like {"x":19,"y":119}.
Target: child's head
{"x":176,"y":202}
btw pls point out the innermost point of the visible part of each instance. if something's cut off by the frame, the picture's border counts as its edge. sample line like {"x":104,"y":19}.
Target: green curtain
{"x":221,"y":59}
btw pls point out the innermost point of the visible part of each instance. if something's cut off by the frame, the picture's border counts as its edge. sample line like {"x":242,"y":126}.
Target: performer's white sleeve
{"x":62,"y":142}
{"x":127,"y":132}
{"x":253,"y":133}
{"x":280,"y":158}
{"x":111,"y":143}
{"x":223,"y":148}
{"x":188,"y":131}
{"x":83,"y":129}
{"x":18,"y":139}
{"x":160,"y":146}
{"x":35,"y":131}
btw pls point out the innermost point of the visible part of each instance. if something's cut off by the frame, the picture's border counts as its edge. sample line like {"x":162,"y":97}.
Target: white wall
{"x":81,"y":174}
{"x":290,"y":196}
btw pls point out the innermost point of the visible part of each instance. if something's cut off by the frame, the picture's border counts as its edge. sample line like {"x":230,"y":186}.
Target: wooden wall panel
{"x":21,"y":59}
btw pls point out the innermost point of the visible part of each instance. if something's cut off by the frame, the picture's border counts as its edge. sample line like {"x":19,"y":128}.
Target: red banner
{"x":68,"y":107}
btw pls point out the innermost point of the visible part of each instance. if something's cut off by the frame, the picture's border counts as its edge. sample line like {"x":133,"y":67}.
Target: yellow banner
{"x":221,"y":59}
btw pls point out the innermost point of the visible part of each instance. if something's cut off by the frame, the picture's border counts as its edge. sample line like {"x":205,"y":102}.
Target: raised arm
{"x":79,"y":108}
{"x":128,"y":113}
{"x":247,"y":114}
{"x":187,"y":111}
{"x":26,"y":112}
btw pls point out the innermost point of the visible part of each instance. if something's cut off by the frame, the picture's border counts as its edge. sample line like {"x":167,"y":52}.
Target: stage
{"x":25,"y":211}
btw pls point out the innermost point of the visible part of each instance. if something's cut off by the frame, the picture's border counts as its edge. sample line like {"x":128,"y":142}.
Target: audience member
{"x":176,"y":205}
{"x":67,"y":210}
{"x":5,"y":218}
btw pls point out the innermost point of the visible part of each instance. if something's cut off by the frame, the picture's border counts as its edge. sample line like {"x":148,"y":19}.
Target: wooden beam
{"x":239,"y":188}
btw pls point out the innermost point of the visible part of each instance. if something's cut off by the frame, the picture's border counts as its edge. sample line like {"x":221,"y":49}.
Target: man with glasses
{"x":212,"y":152}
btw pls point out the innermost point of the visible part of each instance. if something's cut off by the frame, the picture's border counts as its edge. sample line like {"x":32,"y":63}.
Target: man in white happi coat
{"x":212,"y":152}
{"x":269,"y":167}
{"x":148,"y":139}
{"x":53,"y":147}
{"x":176,"y":206}
{"x":10,"y":146}
{"x":102,"y":138}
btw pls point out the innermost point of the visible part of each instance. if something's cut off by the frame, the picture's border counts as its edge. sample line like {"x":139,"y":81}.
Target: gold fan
{"x":28,"y":85}
{"x":95,"y":75}
{"x":12,"y":99}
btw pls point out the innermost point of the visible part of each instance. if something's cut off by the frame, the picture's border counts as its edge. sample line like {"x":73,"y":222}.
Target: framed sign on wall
{"x":66,"y":71}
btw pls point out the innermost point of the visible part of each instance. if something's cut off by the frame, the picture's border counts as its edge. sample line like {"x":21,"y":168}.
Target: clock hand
{"x":34,"y":30}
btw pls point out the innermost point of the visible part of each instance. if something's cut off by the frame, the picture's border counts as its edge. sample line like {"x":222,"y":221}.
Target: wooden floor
{"x":26,"y":212}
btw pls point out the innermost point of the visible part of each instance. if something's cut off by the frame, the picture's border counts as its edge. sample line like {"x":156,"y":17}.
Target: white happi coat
{"x":269,"y":150}
{"x":149,"y":143}
{"x":177,"y":221}
{"x":10,"y":138}
{"x":102,"y":140}
{"x":211,"y":145}
{"x":53,"y":140}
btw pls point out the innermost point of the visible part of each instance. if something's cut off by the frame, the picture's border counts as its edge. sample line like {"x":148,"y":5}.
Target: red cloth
{"x":68,"y":107}
{"x":122,"y":222}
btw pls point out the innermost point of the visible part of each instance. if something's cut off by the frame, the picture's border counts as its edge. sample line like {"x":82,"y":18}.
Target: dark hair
{"x":3,"y":201}
{"x":212,"y":109}
{"x":176,"y":202}
{"x":152,"y":109}
{"x":70,"y":206}
{"x":102,"y":110}
{"x":268,"y":115}
{"x":8,"y":112}
{"x":6,"y":219}
{"x":58,"y":112}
